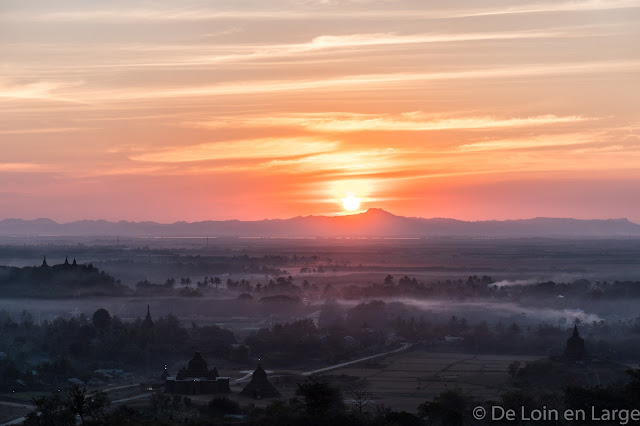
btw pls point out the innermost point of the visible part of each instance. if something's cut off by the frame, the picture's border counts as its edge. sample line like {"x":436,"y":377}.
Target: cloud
{"x":20,"y":167}
{"x":573,"y":6}
{"x":240,"y":149}
{"x":40,"y":90}
{"x":345,"y":161}
{"x":349,"y":41}
{"x":541,"y":141}
{"x":380,"y":39}
{"x":145,"y":55}
{"x":285,"y":12}
{"x":47,"y":130}
{"x":362,"y":80}
{"x":415,"y":121}
{"x":148,"y":55}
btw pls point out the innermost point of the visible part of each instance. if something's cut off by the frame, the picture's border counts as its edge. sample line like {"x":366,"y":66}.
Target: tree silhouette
{"x":448,"y":408}
{"x":320,"y":397}
{"x":513,"y":368}
{"x":101,"y":319}
{"x":61,"y":410}
{"x":360,"y":397}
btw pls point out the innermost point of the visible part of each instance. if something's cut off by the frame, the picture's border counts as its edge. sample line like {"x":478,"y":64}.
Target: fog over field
{"x":512,"y":265}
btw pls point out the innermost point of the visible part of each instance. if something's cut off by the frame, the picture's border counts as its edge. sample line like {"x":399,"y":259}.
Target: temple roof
{"x":198,"y":364}
{"x":260,"y":387}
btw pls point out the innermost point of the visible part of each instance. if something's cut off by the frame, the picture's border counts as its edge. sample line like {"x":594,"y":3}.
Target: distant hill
{"x":372,"y":223}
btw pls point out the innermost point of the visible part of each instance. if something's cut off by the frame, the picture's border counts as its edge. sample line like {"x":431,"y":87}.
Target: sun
{"x":351,"y":203}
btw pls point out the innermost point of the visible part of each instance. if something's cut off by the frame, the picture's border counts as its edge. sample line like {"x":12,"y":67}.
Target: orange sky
{"x":199,"y":110}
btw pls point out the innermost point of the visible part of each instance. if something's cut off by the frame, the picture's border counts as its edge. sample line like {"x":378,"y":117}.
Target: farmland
{"x":406,"y":380}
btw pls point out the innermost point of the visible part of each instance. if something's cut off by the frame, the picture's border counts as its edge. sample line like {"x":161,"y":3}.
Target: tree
{"x":331,"y":314}
{"x":448,"y":408}
{"x":61,"y":410}
{"x":50,"y":411}
{"x":360,"y":398}
{"x":101,"y":319}
{"x":513,"y":368}
{"x":84,"y":405}
{"x":277,"y":413}
{"x":160,"y":402}
{"x":320,"y":397}
{"x":518,"y":398}
{"x":222,"y":405}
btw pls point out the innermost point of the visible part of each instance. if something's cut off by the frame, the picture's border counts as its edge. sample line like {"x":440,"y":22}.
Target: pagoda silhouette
{"x":574,"y":350}
{"x":259,"y":386}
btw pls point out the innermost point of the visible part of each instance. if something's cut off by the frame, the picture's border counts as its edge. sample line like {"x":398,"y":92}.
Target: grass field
{"x":408,"y":379}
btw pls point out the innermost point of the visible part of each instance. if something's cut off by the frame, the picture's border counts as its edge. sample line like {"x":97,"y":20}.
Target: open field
{"x":10,"y":412}
{"x":408,"y":379}
{"x":358,"y":260}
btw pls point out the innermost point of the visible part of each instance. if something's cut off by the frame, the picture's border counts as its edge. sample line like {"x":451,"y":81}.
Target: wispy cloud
{"x":47,"y":130}
{"x":240,"y":149}
{"x":39,"y":90}
{"x":184,"y":14}
{"x":20,"y":167}
{"x":192,"y":55}
{"x":94,"y":95}
{"x":325,"y":43}
{"x":352,"y":81}
{"x":573,"y":6}
{"x":414,"y":121}
{"x":345,"y":160}
{"x":541,"y":141}
{"x":377,"y":39}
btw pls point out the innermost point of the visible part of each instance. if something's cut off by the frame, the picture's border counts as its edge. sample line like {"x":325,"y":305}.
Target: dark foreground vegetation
{"x":40,"y":356}
{"x":320,"y":403}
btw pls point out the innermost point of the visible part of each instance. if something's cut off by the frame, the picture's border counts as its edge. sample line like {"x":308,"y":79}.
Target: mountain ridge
{"x":374,"y":222}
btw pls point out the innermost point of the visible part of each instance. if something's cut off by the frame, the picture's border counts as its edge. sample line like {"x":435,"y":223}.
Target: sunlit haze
{"x":246,"y":110}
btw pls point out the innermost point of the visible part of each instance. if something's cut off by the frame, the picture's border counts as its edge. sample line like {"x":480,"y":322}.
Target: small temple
{"x":64,"y":265}
{"x":147,"y":322}
{"x":574,"y":351}
{"x":197,"y":379}
{"x":259,"y":386}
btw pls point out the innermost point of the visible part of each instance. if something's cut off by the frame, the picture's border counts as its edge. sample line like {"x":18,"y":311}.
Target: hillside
{"x":372,"y":223}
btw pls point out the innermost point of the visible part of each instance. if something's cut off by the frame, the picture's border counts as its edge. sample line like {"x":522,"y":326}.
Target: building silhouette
{"x":574,"y":350}
{"x":259,"y":386}
{"x":197,"y":379}
{"x":147,"y":322}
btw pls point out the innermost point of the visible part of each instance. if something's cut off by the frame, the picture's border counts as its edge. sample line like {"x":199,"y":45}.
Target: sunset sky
{"x":196,"y":110}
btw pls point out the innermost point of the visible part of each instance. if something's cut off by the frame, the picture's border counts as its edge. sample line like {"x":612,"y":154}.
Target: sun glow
{"x":351,"y":203}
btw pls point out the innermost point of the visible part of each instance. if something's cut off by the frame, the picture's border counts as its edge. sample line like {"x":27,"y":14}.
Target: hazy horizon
{"x":340,"y":214}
